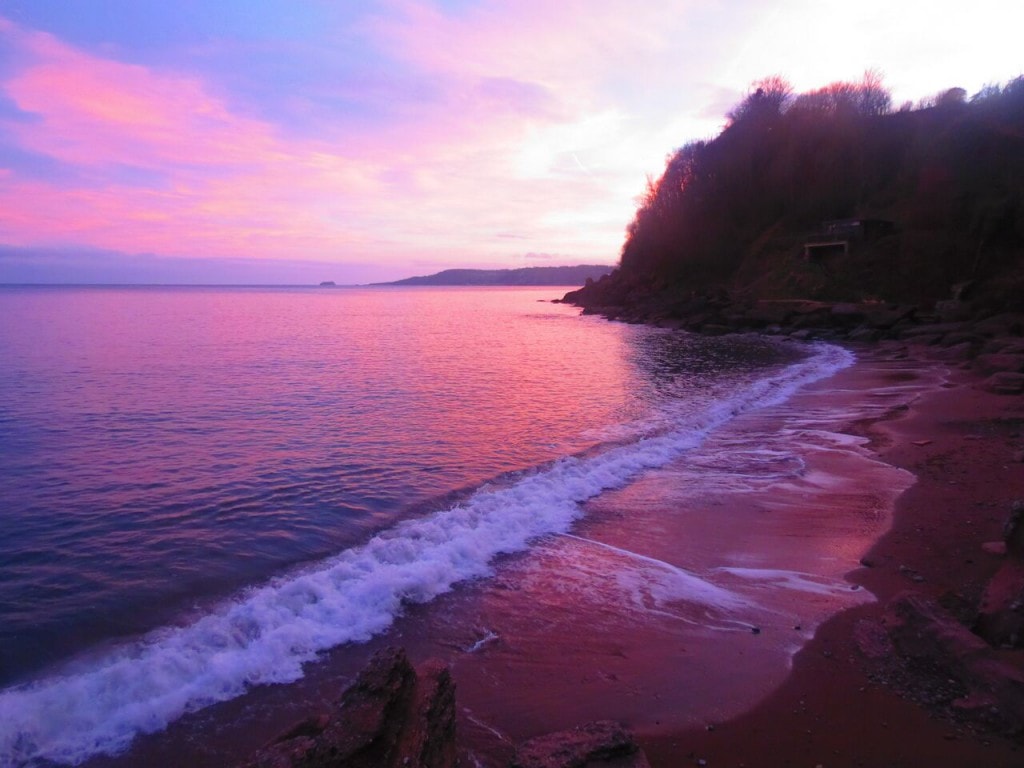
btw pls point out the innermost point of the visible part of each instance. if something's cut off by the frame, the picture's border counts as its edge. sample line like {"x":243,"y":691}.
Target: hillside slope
{"x":832,"y":196}
{"x":577,"y":275}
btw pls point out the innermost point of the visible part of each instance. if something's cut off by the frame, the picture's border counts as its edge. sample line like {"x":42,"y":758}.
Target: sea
{"x":206,"y":491}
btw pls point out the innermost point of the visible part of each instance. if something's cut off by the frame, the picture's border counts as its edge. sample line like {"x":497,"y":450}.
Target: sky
{"x":289,"y":142}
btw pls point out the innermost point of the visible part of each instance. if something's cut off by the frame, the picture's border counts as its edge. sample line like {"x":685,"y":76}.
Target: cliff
{"x":831,"y":196}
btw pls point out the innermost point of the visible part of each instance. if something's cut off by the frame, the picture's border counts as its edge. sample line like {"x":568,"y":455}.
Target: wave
{"x":266,"y":634}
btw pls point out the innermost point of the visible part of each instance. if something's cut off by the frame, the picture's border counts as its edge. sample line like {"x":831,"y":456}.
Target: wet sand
{"x":963,"y":446}
{"x":710,"y":606}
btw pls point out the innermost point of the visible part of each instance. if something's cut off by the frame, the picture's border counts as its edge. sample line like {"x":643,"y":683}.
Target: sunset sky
{"x":277,"y":141}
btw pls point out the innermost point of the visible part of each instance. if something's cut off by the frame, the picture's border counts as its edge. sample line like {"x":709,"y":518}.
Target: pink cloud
{"x":233,"y":186}
{"x":442,"y":182}
{"x":95,"y":111}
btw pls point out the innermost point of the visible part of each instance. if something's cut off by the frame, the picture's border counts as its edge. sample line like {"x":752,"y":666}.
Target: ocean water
{"x":204,"y":489}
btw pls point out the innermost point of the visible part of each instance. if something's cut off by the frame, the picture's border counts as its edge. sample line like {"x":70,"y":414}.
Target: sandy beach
{"x":840,"y":708}
{"x":748,"y":655}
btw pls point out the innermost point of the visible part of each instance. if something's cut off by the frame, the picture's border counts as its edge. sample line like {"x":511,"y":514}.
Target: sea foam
{"x":266,"y":634}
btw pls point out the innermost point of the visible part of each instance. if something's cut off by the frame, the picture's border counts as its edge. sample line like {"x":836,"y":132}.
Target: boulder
{"x":932,"y":329}
{"x":952,"y":309}
{"x":923,"y":339}
{"x":1005,"y":383}
{"x":959,"y":337}
{"x":925,"y":632}
{"x":1006,"y":344}
{"x":991,"y":363}
{"x":716,"y":329}
{"x":1008,"y":324}
{"x":865,"y":334}
{"x":954,"y":354}
{"x":848,"y":314}
{"x":887,"y":316}
{"x":1013,"y":530}
{"x":391,"y":716}
{"x":872,"y":640}
{"x":1000,"y":618}
{"x":598,"y":744}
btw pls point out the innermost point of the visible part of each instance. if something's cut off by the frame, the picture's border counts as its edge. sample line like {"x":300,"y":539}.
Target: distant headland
{"x":577,"y":275}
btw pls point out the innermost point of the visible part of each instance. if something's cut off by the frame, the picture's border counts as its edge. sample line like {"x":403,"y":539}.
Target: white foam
{"x":266,"y":634}
{"x":659,"y":583}
{"x":486,"y":640}
{"x":792,"y":580}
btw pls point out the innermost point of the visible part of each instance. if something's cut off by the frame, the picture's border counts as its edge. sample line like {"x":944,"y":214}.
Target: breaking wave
{"x":267,"y":633}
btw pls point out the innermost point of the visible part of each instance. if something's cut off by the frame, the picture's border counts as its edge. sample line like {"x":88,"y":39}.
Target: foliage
{"x":951,"y":172}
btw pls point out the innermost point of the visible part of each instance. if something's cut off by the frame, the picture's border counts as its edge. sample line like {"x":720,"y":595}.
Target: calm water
{"x":202,"y":488}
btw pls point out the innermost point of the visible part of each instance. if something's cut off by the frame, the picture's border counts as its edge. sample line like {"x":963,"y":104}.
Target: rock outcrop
{"x":990,"y":344}
{"x":1000,"y":618}
{"x":602,"y":744}
{"x":929,"y":636}
{"x":397,"y":716}
{"x":392,"y":716}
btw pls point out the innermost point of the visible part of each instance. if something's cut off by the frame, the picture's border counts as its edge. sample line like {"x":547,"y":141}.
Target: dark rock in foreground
{"x":395,"y":716}
{"x":932,"y":639}
{"x":1000,"y":618}
{"x":392,"y":716}
{"x":602,"y":744}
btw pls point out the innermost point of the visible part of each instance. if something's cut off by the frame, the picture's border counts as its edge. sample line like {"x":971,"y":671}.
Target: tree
{"x":873,"y":98}
{"x":767,"y":98}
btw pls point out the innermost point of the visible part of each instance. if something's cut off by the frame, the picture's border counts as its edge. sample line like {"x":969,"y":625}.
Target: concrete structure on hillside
{"x":835,"y":237}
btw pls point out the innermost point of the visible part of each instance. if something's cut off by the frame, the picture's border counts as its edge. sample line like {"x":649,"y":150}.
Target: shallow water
{"x":205,"y":488}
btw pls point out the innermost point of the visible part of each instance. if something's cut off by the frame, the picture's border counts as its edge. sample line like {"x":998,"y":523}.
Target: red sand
{"x":569,"y":649}
{"x":963,"y":445}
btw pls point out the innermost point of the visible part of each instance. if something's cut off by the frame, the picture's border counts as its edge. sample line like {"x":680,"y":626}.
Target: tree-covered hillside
{"x":943,"y":180}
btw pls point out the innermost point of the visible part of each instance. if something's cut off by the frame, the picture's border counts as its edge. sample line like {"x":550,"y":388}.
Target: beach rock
{"x":921,"y":629}
{"x":956,"y":353}
{"x":848,"y":314}
{"x":594,"y":745}
{"x":1005,"y":383}
{"x":767,"y":312}
{"x":1004,"y":344}
{"x":872,"y":640}
{"x":1008,"y":324}
{"x":1000,"y":618}
{"x":999,"y":361}
{"x":392,"y":716}
{"x":1013,"y":530}
{"x":926,"y":633}
{"x":924,"y":339}
{"x":887,"y":316}
{"x":931,"y":330}
{"x":952,"y":309}
{"x":865,"y":334}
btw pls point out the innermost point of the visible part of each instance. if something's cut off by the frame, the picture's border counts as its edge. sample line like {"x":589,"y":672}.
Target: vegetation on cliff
{"x":940,"y":184}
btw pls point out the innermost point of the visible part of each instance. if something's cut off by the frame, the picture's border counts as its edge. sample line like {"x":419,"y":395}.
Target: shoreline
{"x":830,"y":706}
{"x":840,"y":707}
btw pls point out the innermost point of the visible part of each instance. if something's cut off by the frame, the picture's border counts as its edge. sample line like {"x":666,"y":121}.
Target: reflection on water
{"x":165,"y":446}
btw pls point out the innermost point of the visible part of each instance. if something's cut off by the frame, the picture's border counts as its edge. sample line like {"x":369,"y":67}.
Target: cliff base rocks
{"x":392,"y":716}
{"x":397,"y":716}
